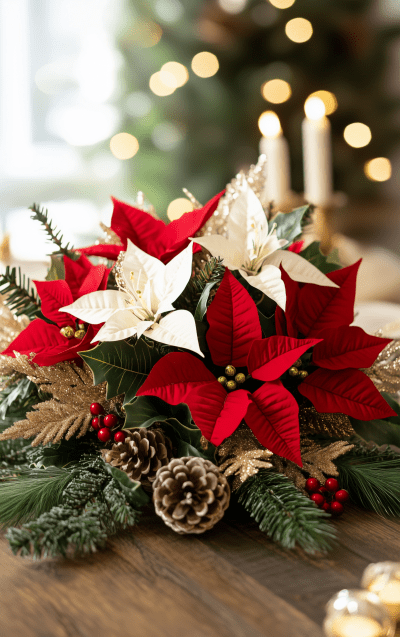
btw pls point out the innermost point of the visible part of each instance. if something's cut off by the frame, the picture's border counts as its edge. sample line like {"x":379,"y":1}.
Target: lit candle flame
{"x":314,"y":108}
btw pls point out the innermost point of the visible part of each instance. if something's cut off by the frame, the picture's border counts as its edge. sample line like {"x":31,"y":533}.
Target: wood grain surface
{"x":229,"y":582}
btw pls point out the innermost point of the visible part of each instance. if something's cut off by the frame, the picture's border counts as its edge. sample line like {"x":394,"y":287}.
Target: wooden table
{"x":230,"y":582}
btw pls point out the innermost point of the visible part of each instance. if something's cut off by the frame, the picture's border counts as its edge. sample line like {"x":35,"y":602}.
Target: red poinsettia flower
{"x":160,"y":240}
{"x":296,"y":246}
{"x":234,"y":338}
{"x":337,"y":385}
{"x":44,"y":339}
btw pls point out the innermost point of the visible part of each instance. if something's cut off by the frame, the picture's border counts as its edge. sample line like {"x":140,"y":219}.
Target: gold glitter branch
{"x":10,"y":327}
{"x":385,"y":372}
{"x":246,"y":456}
{"x":67,"y":412}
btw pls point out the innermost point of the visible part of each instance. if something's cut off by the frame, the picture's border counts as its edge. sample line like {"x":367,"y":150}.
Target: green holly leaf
{"x":124,"y":365}
{"x":288,"y":224}
{"x":325,"y":264}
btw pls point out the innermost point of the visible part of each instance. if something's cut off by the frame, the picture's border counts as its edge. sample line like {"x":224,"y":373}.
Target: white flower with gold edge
{"x":147,"y":289}
{"x":253,"y":248}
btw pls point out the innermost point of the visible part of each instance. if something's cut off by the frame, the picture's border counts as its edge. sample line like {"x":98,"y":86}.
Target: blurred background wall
{"x":112,"y":97}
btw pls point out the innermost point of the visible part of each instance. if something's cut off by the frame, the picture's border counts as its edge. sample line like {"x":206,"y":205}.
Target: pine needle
{"x":285,"y":514}
{"x":211,"y":272}
{"x":18,"y":293}
{"x":54,"y":235}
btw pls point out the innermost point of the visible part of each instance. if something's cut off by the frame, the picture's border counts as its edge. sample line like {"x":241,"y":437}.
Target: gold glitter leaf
{"x":330,"y":425}
{"x":317,"y":461}
{"x":385,"y":372}
{"x":246,"y":455}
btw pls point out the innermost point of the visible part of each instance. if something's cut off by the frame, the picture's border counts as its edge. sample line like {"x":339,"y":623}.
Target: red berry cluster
{"x":327,"y":497}
{"x":104,"y":423}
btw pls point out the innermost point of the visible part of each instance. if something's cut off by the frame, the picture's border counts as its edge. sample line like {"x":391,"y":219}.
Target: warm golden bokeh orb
{"x":178,"y":207}
{"x":299,"y":30}
{"x":205,"y":64}
{"x":124,"y":145}
{"x":378,"y":169}
{"x":276,"y":91}
{"x":357,"y":135}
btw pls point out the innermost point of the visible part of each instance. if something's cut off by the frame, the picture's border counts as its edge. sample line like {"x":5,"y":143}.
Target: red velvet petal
{"x":321,"y":307}
{"x":273,"y":418}
{"x":234,"y":323}
{"x":347,"y":391}
{"x":175,"y":235}
{"x":75,"y":272}
{"x":296,"y":246}
{"x":140,"y":227}
{"x":108,"y":251}
{"x":55,"y":294}
{"x":94,"y":280}
{"x":37,"y":336}
{"x":347,"y":347}
{"x":270,"y":358}
{"x":285,"y":321}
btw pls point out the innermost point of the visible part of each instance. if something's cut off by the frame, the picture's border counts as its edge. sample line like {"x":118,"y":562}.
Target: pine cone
{"x":190,"y":494}
{"x":142,"y":453}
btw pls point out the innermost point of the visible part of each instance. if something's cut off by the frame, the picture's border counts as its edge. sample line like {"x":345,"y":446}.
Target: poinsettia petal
{"x":271,"y":357}
{"x":320,"y":308}
{"x":273,"y":418}
{"x":94,"y":280}
{"x":97,"y":307}
{"x":106,"y":250}
{"x":232,"y":254}
{"x":75,"y":272}
{"x":37,"y":336}
{"x":138,"y":267}
{"x":54,"y":294}
{"x":176,"y":276}
{"x":269,"y":282}
{"x":121,"y":325}
{"x":220,"y":419}
{"x":246,"y":215}
{"x":140,"y":227}
{"x":234,"y":323}
{"x":175,"y":235}
{"x":299,"y":269}
{"x":347,"y":391}
{"x":347,"y":346}
{"x":284,"y":321}
{"x":177,"y":328}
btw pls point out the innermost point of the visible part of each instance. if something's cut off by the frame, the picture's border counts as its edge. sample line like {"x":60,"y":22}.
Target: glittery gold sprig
{"x":67,"y":412}
{"x":385,"y":372}
{"x":10,"y":327}
{"x":245,"y":456}
{"x":330,"y":425}
{"x":111,"y":236}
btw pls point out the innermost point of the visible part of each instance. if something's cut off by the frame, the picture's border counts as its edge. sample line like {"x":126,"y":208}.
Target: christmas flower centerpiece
{"x":189,"y":364}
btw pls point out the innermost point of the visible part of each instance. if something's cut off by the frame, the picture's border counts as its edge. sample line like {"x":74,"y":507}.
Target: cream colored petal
{"x":177,"y":328}
{"x":176,"y":276}
{"x":269,"y":281}
{"x":97,"y":307}
{"x":298,"y":269}
{"x":232,"y":253}
{"x":120,"y":326}
{"x":136,"y":261}
{"x":246,"y":216}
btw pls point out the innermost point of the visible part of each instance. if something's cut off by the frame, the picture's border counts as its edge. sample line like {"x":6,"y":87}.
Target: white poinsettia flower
{"x":147,"y":289}
{"x":253,"y":248}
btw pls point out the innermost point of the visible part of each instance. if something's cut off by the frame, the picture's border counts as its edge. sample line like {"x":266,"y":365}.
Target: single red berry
{"x":104,"y":434}
{"x":96,"y":409}
{"x":342,"y":495}
{"x":119,"y":436}
{"x":336,"y":508}
{"x":312,"y":485}
{"x":332,"y":485}
{"x":96,"y":423}
{"x":323,"y":491}
{"x":327,"y":507}
{"x":318,"y":499}
{"x":110,"y":420}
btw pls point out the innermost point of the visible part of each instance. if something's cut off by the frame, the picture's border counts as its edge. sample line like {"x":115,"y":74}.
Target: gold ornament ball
{"x":303,"y":373}
{"x":230,"y":370}
{"x":240,"y":378}
{"x":81,"y":326}
{"x":293,"y":371}
{"x":231,"y":384}
{"x":80,"y":333}
{"x":298,"y":363}
{"x":67,"y":331}
{"x":222,"y":380}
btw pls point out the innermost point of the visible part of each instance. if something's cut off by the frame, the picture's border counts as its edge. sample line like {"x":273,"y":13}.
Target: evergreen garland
{"x":55,"y":236}
{"x":210,"y":275}
{"x":285,"y":514}
{"x":20,"y":297}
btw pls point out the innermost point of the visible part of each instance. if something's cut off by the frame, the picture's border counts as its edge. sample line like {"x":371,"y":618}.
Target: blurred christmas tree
{"x":199,"y":134}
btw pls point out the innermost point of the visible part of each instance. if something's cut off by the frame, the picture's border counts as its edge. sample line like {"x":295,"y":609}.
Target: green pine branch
{"x":212,"y":273}
{"x":54,"y":235}
{"x":372,"y":477}
{"x":285,"y":514}
{"x":20,"y":296}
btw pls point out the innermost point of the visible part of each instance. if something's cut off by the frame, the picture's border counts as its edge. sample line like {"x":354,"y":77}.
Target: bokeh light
{"x":232,"y":6}
{"x":357,"y":135}
{"x":205,"y":64}
{"x":314,"y":108}
{"x":146,"y":33}
{"x":378,"y":169}
{"x":276,"y":91}
{"x":169,"y":10}
{"x":299,"y":30}
{"x":282,"y":4}
{"x":329,"y":100}
{"x":138,"y":104}
{"x":166,"y":136}
{"x":269,"y":124}
{"x":174,"y":74}
{"x":158,"y":87}
{"x":178,"y":207}
{"x":124,"y":145}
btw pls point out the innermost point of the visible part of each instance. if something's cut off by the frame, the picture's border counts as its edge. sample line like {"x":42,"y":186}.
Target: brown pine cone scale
{"x":190,"y":494}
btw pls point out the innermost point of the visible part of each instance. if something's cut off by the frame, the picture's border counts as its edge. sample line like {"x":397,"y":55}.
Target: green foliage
{"x":176,"y":421}
{"x":289,"y":225}
{"x":54,"y":235}
{"x":124,"y":365}
{"x":56,"y":271}
{"x":17,"y":398}
{"x":192,"y":297}
{"x":203,"y":302}
{"x":284,"y":513}
{"x":372,"y":477}
{"x":324,"y":263}
{"x":21,"y":298}
{"x":381,"y":432}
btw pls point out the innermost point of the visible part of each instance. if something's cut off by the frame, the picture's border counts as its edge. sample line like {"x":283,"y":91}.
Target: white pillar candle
{"x":277,"y":166}
{"x":317,"y":153}
{"x":356,"y":626}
